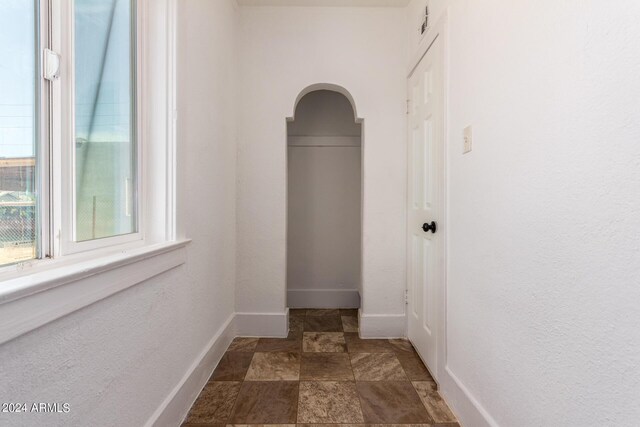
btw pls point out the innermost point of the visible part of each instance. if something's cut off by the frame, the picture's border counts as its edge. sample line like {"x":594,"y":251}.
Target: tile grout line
{"x":235,"y":402}
{"x":355,"y":383}
{"x":300,"y":370}
{"x":354,"y":380}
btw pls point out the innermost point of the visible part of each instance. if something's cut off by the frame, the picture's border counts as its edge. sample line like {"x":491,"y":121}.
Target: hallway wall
{"x":285,"y":50}
{"x":544,"y":249}
{"x":324,"y":226}
{"x":116,"y":361}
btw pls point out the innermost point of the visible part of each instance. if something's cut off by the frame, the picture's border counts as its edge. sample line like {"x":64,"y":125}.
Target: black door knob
{"x":426,"y":227}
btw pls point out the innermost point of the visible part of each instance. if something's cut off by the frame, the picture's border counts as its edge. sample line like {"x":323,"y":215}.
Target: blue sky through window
{"x":17,"y":78}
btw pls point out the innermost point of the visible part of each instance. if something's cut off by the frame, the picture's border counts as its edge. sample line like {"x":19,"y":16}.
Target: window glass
{"x":105,"y":128}
{"x":19,"y":89}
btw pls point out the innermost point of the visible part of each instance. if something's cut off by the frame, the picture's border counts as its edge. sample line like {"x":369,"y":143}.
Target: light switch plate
{"x":468,"y":139}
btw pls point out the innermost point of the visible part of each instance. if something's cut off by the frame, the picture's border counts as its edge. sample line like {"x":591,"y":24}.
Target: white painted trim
{"x":176,"y":405}
{"x":274,"y":325}
{"x":156,"y":122}
{"x":66,"y":233}
{"x":437,"y":32}
{"x":53,"y":273}
{"x":29,"y":302}
{"x":463,"y":403}
{"x":323,"y":298}
{"x":172,"y":120}
{"x":382,"y":325}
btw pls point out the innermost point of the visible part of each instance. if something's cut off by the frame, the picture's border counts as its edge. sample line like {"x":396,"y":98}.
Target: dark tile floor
{"x":323,"y":373}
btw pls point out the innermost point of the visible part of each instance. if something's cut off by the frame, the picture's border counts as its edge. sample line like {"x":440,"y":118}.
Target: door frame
{"x":440,"y":30}
{"x":332,"y":87}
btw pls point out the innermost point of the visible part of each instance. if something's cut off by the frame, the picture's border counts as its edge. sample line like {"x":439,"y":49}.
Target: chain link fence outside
{"x":17,"y":231}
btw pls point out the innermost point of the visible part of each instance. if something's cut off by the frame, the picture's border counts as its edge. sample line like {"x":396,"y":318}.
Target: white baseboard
{"x":262,"y":324}
{"x":323,"y":298}
{"x":382,"y":325}
{"x":175,"y":407}
{"x":464,"y":404}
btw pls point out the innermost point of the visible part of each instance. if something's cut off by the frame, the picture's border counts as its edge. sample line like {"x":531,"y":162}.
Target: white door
{"x":426,"y":204}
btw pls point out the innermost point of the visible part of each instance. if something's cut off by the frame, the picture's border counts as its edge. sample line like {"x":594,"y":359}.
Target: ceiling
{"x":331,"y":3}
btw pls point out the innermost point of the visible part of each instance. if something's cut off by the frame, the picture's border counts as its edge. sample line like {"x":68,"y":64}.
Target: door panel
{"x":426,"y":204}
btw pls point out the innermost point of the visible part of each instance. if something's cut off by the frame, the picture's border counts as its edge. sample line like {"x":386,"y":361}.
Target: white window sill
{"x":33,"y":300}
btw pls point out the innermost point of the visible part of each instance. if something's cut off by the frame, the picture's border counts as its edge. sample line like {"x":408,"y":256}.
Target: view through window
{"x":18,"y":131}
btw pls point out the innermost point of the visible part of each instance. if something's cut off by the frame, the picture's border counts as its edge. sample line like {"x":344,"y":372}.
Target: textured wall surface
{"x":544,"y":251}
{"x":285,"y":50}
{"x":116,"y":361}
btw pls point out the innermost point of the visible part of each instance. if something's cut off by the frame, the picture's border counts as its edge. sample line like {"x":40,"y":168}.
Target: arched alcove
{"x":330,"y":87}
{"x":324,"y":200}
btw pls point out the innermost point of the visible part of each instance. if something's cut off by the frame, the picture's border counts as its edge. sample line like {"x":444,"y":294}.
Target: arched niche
{"x":324,"y":200}
{"x":325,"y":86}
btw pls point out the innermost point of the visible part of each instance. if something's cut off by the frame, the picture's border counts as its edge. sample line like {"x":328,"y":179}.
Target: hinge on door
{"x":406,"y":296}
{"x":408,"y":101}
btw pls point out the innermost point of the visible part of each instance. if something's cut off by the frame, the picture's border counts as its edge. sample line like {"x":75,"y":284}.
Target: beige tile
{"x":350,"y":324}
{"x":357,"y":345}
{"x":401,"y":425}
{"x":232,"y":367}
{"x":215,"y":402}
{"x":261,"y":425}
{"x":291,"y":343}
{"x":326,"y":367}
{"x":327,"y":425}
{"x":331,"y":425}
{"x":401,"y":346}
{"x":297,"y":312}
{"x":424,"y":387}
{"x":349,"y":312}
{"x":328,"y":402}
{"x":270,"y":402}
{"x":323,"y":342}
{"x":296,"y":324}
{"x":243,"y":344}
{"x":391,"y":402}
{"x":413,"y":366}
{"x":323,"y":312}
{"x":436,"y":406}
{"x":323,"y":324}
{"x":377,"y":367}
{"x":274,"y":366}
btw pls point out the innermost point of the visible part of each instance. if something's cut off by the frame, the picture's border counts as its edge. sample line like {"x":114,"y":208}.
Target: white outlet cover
{"x":468,"y":139}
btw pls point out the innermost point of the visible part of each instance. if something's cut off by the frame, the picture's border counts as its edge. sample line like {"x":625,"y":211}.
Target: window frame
{"x":40,"y":133}
{"x":63,"y":142}
{"x":157,"y":119}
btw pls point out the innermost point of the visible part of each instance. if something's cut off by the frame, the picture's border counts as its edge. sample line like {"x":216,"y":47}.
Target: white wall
{"x":324,"y":226}
{"x":116,"y":361}
{"x":285,"y":50}
{"x":544,"y":249}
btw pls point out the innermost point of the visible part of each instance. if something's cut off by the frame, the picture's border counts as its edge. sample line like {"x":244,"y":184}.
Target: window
{"x":19,"y":139}
{"x":87,"y":154}
{"x":69,"y":146}
{"x":105,"y":119}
